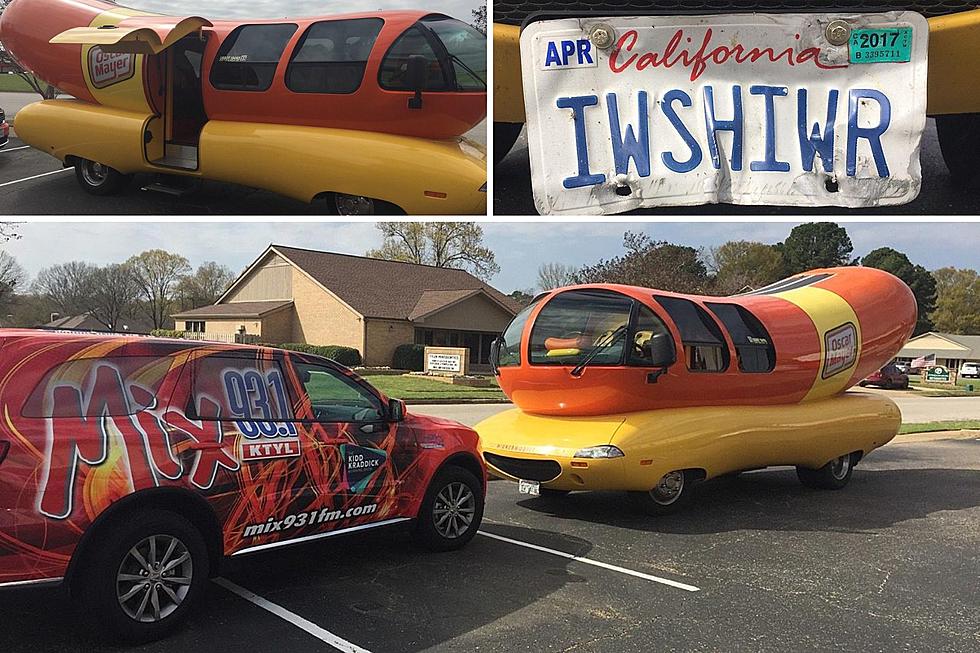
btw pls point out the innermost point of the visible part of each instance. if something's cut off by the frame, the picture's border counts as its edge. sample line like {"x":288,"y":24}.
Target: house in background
{"x":951,"y":350}
{"x":87,"y":322}
{"x":321,"y":298}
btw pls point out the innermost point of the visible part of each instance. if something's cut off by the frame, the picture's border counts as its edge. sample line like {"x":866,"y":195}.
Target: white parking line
{"x":323,"y":635}
{"x":594,"y":563}
{"x":14,"y":149}
{"x":11,"y":183}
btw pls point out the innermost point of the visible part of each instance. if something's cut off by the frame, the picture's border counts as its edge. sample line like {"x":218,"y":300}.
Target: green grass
{"x":927,"y":427}
{"x":947,"y":389}
{"x":417,"y":387}
{"x":14,"y":83}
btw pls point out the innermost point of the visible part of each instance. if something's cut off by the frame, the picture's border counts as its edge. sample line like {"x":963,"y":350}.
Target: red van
{"x":131,"y":466}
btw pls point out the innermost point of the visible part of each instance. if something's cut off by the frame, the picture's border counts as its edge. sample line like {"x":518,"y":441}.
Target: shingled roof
{"x":393,"y":290}
{"x":235,"y":310}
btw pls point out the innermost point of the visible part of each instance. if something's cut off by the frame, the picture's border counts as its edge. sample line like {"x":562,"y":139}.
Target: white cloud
{"x":297,"y":8}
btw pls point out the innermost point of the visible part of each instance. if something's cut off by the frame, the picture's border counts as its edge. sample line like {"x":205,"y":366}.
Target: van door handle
{"x":367,"y":428}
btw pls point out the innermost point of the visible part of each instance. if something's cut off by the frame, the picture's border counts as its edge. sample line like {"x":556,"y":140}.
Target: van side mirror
{"x":662,"y":355}
{"x":416,"y":73}
{"x":495,"y":356}
{"x":396,"y":410}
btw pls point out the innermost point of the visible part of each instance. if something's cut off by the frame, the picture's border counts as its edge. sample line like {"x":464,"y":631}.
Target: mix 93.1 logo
{"x":258,"y":405}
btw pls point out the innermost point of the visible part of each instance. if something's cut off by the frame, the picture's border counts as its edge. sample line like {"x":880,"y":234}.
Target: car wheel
{"x":832,"y":476}
{"x":959,"y":140}
{"x":451,"y":511}
{"x":144,"y":577}
{"x":505,"y":134}
{"x":344,"y":204}
{"x":668,"y":495}
{"x":99,"y":179}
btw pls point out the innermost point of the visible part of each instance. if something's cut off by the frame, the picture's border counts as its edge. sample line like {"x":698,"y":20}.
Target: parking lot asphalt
{"x":889,"y":563}
{"x":512,"y":191}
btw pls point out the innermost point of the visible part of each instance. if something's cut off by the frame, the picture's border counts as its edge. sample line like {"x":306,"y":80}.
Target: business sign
{"x":938,"y":374}
{"x":448,"y":361}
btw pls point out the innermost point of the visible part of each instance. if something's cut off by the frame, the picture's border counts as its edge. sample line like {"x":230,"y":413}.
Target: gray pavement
{"x":889,"y":563}
{"x":512,"y":191}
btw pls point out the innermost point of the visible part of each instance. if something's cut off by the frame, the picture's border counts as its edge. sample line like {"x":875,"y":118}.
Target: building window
{"x":194,"y":327}
{"x":332,"y":55}
{"x":248,"y":58}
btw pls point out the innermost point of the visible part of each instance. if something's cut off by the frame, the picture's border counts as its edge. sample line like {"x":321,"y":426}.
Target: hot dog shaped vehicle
{"x":627,"y":388}
{"x":131,"y":466}
{"x":365,"y":111}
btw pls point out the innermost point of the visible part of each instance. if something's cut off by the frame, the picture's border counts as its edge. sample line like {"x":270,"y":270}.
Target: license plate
{"x":529,"y":487}
{"x":783,"y":109}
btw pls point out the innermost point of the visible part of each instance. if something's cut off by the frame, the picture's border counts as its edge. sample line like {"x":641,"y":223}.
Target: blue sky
{"x":297,"y":8}
{"x":520,"y":247}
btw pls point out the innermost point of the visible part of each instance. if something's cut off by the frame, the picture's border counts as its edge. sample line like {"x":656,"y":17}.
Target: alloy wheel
{"x":453,"y":510}
{"x":154,"y":578}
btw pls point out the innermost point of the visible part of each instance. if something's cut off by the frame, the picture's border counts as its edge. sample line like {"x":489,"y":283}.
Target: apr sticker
{"x":881,"y":45}
{"x":569,"y":53}
{"x":360,"y":465}
{"x":108,"y":68}
{"x":840,"y":349}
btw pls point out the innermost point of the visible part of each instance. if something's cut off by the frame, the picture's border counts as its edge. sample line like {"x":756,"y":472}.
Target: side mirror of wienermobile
{"x":311,"y":108}
{"x":635,"y":389}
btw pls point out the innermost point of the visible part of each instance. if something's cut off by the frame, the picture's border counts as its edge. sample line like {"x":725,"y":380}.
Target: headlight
{"x":602,"y":451}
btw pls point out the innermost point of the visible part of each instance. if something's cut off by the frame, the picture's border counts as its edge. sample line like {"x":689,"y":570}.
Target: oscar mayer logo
{"x":108,"y":68}
{"x":840,"y":349}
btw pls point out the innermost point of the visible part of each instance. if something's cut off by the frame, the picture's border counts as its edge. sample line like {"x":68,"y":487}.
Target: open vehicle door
{"x":135,"y":35}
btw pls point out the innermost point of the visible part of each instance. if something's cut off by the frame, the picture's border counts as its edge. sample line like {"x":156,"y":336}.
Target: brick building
{"x":300,"y":295}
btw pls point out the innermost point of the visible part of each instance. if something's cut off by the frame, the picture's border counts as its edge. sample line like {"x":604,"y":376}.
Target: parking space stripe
{"x":14,"y":149}
{"x":44,"y":174}
{"x":594,"y":563}
{"x":323,"y":635}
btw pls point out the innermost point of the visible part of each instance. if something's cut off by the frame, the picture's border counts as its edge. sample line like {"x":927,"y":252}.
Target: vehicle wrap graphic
{"x":92,"y":419}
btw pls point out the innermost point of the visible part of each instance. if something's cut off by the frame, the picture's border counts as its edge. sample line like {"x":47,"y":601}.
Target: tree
{"x":9,"y":62}
{"x":652,"y":264}
{"x":741,"y":264}
{"x":480,"y":19}
{"x":522,"y":297}
{"x":68,"y":286}
{"x":157,"y":274}
{"x":555,"y":275}
{"x":12,"y":277}
{"x":8,"y":232}
{"x":815,"y":245}
{"x":957,"y":301}
{"x":916,"y":277}
{"x":441,"y":244}
{"x":115,"y":295}
{"x":205,"y":286}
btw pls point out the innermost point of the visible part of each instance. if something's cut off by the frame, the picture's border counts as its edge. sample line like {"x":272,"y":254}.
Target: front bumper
{"x":954,"y":43}
{"x":558,"y":472}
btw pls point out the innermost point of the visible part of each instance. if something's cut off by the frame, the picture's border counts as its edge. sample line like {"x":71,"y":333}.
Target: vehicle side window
{"x":648,"y":327}
{"x":332,"y":55}
{"x":393,"y":75}
{"x":335,"y":397}
{"x":704,"y":345}
{"x":248,"y":57}
{"x":467,"y":50}
{"x":98,"y":387}
{"x":510,"y":342}
{"x":753,"y":344}
{"x":233,"y":388}
{"x":576,"y":323}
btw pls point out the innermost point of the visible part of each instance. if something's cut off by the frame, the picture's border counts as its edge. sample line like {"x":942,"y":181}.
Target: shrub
{"x":167,"y":333}
{"x":409,"y":357}
{"x":344,"y":355}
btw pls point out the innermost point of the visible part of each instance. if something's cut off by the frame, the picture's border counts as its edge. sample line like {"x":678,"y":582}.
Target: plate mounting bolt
{"x":838,"y":32}
{"x":602,"y":36}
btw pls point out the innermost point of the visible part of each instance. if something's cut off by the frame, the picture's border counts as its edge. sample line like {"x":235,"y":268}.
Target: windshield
{"x":510,"y":342}
{"x":573,"y":324}
{"x":467,"y":48}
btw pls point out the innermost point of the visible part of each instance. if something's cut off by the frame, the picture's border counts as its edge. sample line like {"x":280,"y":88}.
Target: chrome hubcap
{"x":95,"y":173}
{"x":840,"y":466}
{"x":354,"y":205}
{"x":669,"y":488}
{"x":454,"y":509}
{"x":154,"y":578}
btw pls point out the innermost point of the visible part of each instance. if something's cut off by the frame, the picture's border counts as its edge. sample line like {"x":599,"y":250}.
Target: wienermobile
{"x":636,"y":389}
{"x":365,"y":111}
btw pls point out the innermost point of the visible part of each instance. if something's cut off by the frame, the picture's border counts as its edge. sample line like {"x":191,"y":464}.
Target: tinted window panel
{"x":648,"y":328}
{"x":335,"y":397}
{"x":753,"y":345}
{"x":574,"y":323}
{"x":704,"y":345}
{"x":248,"y":58}
{"x":332,"y":55}
{"x":467,"y":50}
{"x":510,"y":341}
{"x":394,"y":67}
{"x":239,"y":389}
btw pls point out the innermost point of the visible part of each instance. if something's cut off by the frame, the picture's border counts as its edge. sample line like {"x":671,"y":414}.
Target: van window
{"x":510,"y":342}
{"x":753,"y":345}
{"x":648,"y":327}
{"x":238,"y":389}
{"x":704,"y":345}
{"x":248,"y":58}
{"x":467,"y":50}
{"x":574,"y":323}
{"x":393,"y":75}
{"x":332,"y":55}
{"x":456,"y":55}
{"x":335,"y":397}
{"x":97,"y":387}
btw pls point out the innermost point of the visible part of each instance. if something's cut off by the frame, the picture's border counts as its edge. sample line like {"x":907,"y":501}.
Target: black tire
{"x":97,"y":585}
{"x":959,"y":141}
{"x":98,"y":179}
{"x":832,"y":476}
{"x":654,"y":501}
{"x":430,"y":529}
{"x":353,"y":205}
{"x":505,"y":134}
